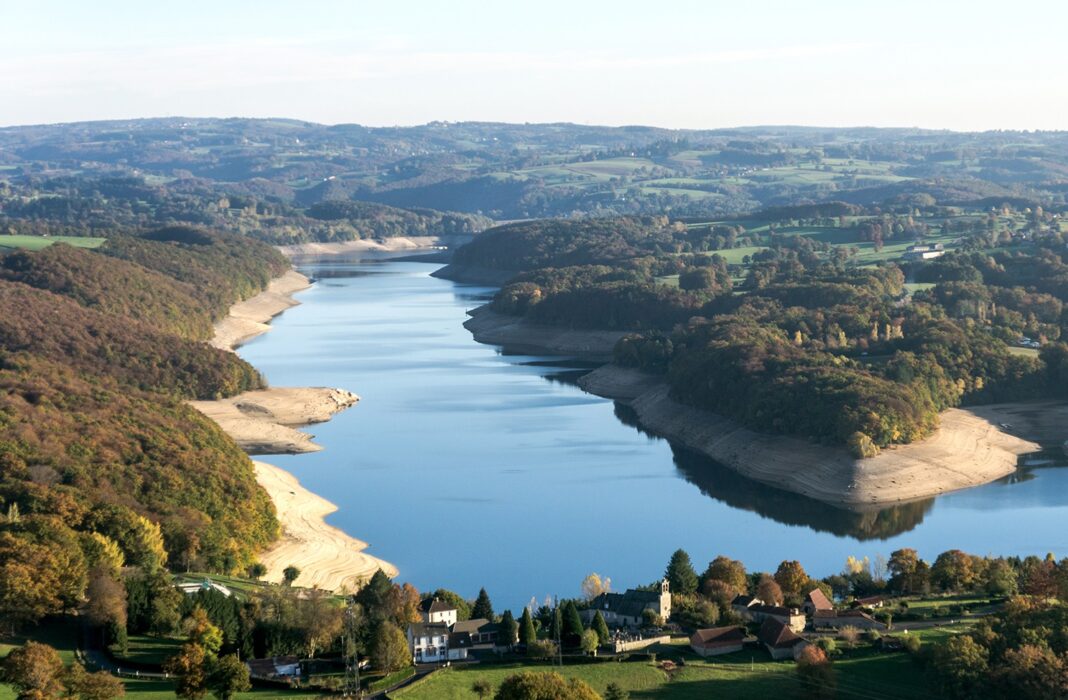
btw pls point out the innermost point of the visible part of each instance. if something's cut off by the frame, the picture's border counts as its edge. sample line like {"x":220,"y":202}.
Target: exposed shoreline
{"x":394,"y":244}
{"x":517,"y":335}
{"x":968,"y":449}
{"x":265,"y":422}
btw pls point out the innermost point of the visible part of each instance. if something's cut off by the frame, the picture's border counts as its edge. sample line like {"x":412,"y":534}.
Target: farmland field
{"x":39,"y":242}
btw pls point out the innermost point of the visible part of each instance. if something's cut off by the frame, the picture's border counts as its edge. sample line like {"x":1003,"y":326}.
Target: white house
{"x":438,"y":611}
{"x":431,"y":643}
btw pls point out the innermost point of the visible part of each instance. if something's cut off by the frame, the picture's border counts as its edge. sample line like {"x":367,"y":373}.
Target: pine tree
{"x":527,"y":634}
{"x":601,"y":628}
{"x":482,"y":608}
{"x":680,"y":573}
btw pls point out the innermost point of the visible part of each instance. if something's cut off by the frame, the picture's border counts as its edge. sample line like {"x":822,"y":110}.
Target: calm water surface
{"x":468,"y":468}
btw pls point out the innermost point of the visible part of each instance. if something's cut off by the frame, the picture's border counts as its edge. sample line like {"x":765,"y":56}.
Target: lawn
{"x":734,"y":256}
{"x":144,"y":650}
{"x":456,"y":682}
{"x":162,"y":690}
{"x":862,"y":672}
{"x":38,"y":242}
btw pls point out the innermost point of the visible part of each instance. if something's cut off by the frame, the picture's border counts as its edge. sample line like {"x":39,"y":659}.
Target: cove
{"x":467,"y":467}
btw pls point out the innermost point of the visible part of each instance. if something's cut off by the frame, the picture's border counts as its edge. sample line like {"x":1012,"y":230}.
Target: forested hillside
{"x":102,"y":465}
{"x":112,"y":286}
{"x":816,"y":322}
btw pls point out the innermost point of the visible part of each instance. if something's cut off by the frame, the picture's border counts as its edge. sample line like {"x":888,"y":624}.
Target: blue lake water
{"x":466,"y":467}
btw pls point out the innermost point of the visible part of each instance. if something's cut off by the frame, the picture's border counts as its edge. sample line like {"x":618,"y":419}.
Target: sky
{"x":938,"y":63}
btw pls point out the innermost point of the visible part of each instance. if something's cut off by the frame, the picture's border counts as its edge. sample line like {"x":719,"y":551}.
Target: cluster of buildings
{"x":628,"y":609}
{"x":924,"y":252}
{"x":441,"y":637}
{"x":781,"y":627}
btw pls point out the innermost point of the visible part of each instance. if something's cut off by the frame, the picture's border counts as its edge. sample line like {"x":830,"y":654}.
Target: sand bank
{"x":265,"y":422}
{"x":517,"y":335}
{"x":967,"y":450}
{"x":327,"y":557}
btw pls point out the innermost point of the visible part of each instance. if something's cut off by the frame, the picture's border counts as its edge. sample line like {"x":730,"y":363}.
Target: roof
{"x":630,"y":604}
{"x":718,"y":637}
{"x":268,"y":667}
{"x":871,"y":599}
{"x":842,"y":615}
{"x":479,"y":625}
{"x":775,"y":610}
{"x":436,"y":605}
{"x":460,"y":640}
{"x":777,"y":635}
{"x":819,"y":600}
{"x":745,"y":600}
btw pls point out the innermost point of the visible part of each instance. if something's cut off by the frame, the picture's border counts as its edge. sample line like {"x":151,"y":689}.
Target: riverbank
{"x":266,"y":422}
{"x":967,"y":450}
{"x":397,"y":244}
{"x":517,"y":335}
{"x":249,"y":318}
{"x":327,"y":557}
{"x":472,"y":274}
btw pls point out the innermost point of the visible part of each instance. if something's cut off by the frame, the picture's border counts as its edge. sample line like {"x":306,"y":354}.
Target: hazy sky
{"x":936,"y":63}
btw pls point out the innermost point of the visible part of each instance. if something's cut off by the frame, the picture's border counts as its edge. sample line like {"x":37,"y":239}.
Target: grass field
{"x":150,"y":651}
{"x":38,"y":242}
{"x":748,"y":675}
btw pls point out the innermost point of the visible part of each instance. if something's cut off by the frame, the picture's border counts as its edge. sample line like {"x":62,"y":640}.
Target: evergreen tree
{"x":482,"y":607}
{"x":601,"y":628}
{"x":508,"y":629}
{"x":527,"y":634}
{"x":680,"y":573}
{"x":572,"y":630}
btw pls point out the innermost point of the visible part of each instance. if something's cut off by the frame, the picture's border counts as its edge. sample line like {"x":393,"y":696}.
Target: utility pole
{"x":558,"y":622}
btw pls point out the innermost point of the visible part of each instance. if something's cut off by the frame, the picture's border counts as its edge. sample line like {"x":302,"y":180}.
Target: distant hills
{"x":261,"y":176}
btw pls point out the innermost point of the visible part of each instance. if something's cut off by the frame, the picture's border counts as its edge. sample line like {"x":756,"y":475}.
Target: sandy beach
{"x":967,"y":450}
{"x":327,"y":557}
{"x":266,"y":422}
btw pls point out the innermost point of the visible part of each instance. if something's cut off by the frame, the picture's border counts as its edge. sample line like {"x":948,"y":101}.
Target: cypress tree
{"x":573,"y":629}
{"x":601,"y":628}
{"x":508,"y":629}
{"x":527,"y":634}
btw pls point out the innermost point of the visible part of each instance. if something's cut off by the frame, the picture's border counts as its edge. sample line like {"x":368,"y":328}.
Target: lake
{"x":467,"y":467}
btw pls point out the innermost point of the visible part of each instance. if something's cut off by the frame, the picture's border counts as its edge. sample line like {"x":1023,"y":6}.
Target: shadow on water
{"x":728,"y":486}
